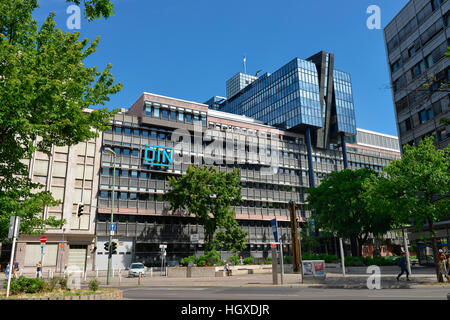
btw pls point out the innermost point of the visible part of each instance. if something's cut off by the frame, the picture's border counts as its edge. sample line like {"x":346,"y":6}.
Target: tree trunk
{"x":435,"y":252}
{"x":354,"y":246}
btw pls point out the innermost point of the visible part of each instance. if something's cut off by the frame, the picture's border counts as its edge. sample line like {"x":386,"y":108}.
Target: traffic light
{"x":114,"y":247}
{"x":107,"y":246}
{"x":80,"y":209}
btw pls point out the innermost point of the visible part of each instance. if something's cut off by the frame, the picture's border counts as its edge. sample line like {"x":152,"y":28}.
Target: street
{"x":280,"y":293}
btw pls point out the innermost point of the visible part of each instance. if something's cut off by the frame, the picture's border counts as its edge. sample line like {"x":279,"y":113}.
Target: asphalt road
{"x":285,"y":293}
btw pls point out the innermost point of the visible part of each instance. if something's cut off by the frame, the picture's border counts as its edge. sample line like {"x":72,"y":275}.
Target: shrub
{"x":268,"y":260}
{"x":248,"y":260}
{"x":185,"y":261}
{"x":63,"y":283}
{"x":329,"y":258}
{"x":94,"y":284}
{"x":212,"y":258}
{"x":287,"y":259}
{"x":234,"y":260}
{"x":52,"y":282}
{"x":27,"y":285}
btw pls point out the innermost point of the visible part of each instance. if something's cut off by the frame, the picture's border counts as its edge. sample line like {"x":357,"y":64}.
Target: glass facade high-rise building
{"x":302,"y":94}
{"x":238,"y":82}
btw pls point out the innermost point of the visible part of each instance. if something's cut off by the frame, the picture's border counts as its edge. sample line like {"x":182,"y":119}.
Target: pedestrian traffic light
{"x":107,"y":246}
{"x":80,"y":209}
{"x":114,"y":246}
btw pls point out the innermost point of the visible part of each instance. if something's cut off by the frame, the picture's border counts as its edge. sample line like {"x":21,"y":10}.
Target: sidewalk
{"x":333,"y":280}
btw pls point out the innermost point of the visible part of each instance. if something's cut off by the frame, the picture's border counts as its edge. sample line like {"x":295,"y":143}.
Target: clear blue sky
{"x":188,"y":49}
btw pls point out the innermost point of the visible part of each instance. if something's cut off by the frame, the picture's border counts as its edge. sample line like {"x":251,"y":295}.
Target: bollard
{"x":97,"y":272}
{"x":120,"y":279}
{"x":49,"y":272}
{"x":151,"y":272}
{"x":139,"y":279}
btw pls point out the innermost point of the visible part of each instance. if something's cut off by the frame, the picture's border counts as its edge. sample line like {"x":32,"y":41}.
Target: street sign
{"x":194,"y":238}
{"x":43,"y":239}
{"x":273,"y":245}
{"x":112,"y":227}
{"x":274,"y":225}
{"x":163,"y":246}
{"x":61,"y":245}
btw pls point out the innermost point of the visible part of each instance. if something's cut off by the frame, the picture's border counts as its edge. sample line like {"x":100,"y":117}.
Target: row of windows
{"x":413,"y":24}
{"x":173,"y":115}
{"x":120,"y":195}
{"x":424,"y":38}
{"x":154,"y":133}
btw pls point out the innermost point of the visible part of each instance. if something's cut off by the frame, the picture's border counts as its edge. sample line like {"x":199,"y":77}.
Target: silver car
{"x":136,"y":269}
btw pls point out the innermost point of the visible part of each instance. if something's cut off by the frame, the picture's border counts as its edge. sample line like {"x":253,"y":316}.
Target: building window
{"x":123,"y":196}
{"x":188,"y":118}
{"x":135,"y":153}
{"x":156,"y":112}
{"x":165,"y":114}
{"x":181,"y":117}
{"x":173,"y":115}
{"x":104,"y":194}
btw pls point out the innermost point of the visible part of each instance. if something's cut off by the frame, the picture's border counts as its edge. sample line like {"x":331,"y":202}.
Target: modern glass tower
{"x":306,"y":96}
{"x":301,"y":95}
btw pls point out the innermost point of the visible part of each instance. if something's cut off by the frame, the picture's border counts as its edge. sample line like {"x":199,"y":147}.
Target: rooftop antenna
{"x":245,"y":65}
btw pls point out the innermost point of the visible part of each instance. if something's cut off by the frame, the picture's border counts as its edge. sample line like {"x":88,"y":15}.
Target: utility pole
{"x":111,"y":152}
{"x":14,"y":231}
{"x":296,"y":246}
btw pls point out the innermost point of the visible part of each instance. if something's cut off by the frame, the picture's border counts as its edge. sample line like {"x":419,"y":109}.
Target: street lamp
{"x":111,"y":152}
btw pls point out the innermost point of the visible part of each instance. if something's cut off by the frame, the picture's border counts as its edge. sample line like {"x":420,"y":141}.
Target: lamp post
{"x":111,"y":152}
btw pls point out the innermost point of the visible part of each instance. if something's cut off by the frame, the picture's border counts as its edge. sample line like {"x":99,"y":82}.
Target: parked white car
{"x":136,"y":269}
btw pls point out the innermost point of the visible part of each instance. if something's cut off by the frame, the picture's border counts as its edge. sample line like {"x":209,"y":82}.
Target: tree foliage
{"x":208,"y":194}
{"x":95,"y":9}
{"x":44,"y":89}
{"x":415,"y":189}
{"x":339,"y":206}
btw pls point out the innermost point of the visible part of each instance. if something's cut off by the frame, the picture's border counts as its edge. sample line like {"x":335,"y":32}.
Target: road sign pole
{"x":342,"y":256}
{"x":16,"y":224}
{"x":274,"y":264}
{"x":112,"y":221}
{"x":282,"y":262}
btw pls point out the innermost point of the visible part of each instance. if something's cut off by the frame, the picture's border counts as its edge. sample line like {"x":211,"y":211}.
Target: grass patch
{"x":57,"y":293}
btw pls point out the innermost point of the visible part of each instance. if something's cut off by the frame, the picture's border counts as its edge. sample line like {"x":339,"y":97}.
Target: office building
{"x":416,"y":42}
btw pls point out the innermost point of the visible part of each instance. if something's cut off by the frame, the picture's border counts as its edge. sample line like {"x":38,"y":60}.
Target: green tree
{"x":415,"y":189}
{"x":44,"y":90}
{"x":340,"y":208}
{"x":208,"y":194}
{"x":95,"y":9}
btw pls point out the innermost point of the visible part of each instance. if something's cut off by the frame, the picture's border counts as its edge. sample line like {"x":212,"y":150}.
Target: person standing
{"x":241,"y":261}
{"x":39,"y":270}
{"x":403,"y":267}
{"x":8,"y":267}
{"x":15,"y":269}
{"x":442,"y":264}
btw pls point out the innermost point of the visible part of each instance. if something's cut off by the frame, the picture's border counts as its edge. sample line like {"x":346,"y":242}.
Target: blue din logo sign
{"x":158,"y":156}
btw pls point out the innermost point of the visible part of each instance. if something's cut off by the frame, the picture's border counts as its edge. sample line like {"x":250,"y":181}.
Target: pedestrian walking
{"x":15,"y":269}
{"x":403,"y":267}
{"x":39,"y":270}
{"x":8,"y":267}
{"x":442,"y":258}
